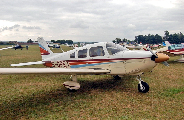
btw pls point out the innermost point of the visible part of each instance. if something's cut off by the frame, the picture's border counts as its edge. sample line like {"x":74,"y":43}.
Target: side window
{"x":113,"y":49}
{"x":72,"y":55}
{"x":82,"y":53}
{"x":96,"y":51}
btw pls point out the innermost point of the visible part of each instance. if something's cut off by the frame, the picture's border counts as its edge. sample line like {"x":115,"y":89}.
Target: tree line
{"x":62,"y":41}
{"x":176,"y":38}
{"x":56,"y":41}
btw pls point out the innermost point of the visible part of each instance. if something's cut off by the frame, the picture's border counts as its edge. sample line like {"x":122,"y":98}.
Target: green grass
{"x":38,"y":96}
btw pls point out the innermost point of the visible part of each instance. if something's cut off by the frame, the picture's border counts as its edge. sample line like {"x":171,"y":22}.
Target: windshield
{"x":114,"y":48}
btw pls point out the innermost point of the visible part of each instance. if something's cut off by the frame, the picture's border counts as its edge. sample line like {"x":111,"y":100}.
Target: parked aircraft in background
{"x":53,"y":45}
{"x":96,"y":59}
{"x":177,"y":49}
{"x":154,"y":46}
{"x":56,"y":46}
{"x":18,"y":47}
{"x":50,"y":45}
{"x":136,"y":47}
{"x":13,"y":47}
{"x":6,"y":48}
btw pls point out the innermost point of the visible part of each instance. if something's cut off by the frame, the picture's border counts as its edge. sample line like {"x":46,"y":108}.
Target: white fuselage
{"x":115,"y":58}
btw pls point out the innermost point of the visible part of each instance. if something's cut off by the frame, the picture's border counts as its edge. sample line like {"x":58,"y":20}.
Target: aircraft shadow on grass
{"x":24,"y":106}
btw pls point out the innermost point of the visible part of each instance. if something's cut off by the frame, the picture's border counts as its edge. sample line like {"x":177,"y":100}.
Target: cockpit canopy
{"x":97,"y":50}
{"x":114,"y":48}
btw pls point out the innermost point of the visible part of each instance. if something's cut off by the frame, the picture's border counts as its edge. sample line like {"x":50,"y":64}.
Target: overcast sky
{"x":88,"y":20}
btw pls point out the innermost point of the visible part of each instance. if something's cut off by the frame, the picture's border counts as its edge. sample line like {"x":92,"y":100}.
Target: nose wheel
{"x":142,"y":86}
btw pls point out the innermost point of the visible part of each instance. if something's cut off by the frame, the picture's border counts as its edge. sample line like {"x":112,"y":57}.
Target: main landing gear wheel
{"x":71,"y":85}
{"x":142,"y":86}
{"x":117,"y":77}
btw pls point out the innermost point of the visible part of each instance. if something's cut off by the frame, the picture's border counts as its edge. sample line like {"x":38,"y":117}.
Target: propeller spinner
{"x":159,"y":57}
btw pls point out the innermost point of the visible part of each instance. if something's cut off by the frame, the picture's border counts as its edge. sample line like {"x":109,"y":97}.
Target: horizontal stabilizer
{"x":28,"y":63}
{"x":52,"y":71}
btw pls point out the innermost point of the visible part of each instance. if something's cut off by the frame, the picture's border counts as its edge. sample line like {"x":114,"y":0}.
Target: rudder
{"x":167,"y":43}
{"x":44,"y":49}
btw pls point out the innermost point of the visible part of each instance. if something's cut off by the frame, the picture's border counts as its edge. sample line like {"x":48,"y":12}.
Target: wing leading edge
{"x":28,"y":63}
{"x":52,"y":71}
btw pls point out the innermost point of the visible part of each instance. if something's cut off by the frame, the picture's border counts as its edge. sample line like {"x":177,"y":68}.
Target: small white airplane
{"x":176,"y":49}
{"x":99,"y":58}
{"x":6,"y":48}
{"x":13,"y":47}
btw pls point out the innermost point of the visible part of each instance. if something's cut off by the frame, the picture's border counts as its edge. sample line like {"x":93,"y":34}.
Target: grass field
{"x":38,"y":96}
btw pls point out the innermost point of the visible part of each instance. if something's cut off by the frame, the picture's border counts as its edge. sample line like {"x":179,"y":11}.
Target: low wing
{"x":68,"y":71}
{"x":28,"y":63}
{"x":6,"y":48}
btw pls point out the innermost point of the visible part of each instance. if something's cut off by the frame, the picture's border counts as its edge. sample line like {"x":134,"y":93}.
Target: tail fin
{"x":44,"y":49}
{"x":167,"y":43}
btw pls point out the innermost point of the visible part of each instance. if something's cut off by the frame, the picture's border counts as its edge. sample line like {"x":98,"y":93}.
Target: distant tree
{"x":140,"y":39}
{"x":125,"y":40}
{"x":61,"y":41}
{"x":114,"y":41}
{"x":166,"y":37}
{"x":69,"y":41}
{"x":78,"y":44}
{"x":29,"y":41}
{"x":117,"y":40}
{"x":181,"y":37}
{"x":158,"y":39}
{"x":148,"y":39}
{"x":58,"y":41}
{"x":53,"y":41}
{"x":176,"y":38}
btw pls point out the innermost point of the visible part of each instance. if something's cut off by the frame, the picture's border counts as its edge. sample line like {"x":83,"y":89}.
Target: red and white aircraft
{"x":98,"y":58}
{"x":176,"y":49}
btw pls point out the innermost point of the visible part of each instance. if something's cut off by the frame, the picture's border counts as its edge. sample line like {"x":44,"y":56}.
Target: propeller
{"x":152,"y":52}
{"x":165,"y":63}
{"x":159,"y":57}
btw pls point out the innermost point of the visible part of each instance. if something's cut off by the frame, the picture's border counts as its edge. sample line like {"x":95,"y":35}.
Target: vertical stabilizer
{"x":165,"y":48}
{"x":44,"y":49}
{"x":167,"y":43}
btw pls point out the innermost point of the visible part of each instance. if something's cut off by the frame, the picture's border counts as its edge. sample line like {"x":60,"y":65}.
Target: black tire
{"x":116,"y":77}
{"x":145,"y":87}
{"x":72,"y":90}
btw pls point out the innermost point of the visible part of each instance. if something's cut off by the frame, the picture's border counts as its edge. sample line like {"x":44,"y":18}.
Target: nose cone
{"x":161,"y":58}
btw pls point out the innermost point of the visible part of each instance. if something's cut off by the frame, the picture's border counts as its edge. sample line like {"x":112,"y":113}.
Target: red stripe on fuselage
{"x":90,"y":61}
{"x":177,"y":50}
